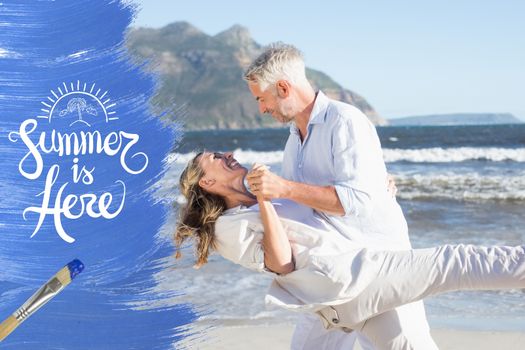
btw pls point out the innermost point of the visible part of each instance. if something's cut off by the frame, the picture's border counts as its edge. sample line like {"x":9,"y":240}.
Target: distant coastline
{"x":442,"y":120}
{"x":456,"y":119}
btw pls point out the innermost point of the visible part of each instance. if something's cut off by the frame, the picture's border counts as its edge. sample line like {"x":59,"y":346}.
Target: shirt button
{"x":300,"y":166}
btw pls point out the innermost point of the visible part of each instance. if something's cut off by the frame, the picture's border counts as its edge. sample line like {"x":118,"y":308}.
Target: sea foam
{"x":391,"y":155}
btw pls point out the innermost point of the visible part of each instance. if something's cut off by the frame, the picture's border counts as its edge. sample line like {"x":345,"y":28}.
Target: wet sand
{"x":278,"y":337}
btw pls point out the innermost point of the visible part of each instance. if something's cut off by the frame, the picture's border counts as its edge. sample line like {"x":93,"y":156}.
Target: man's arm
{"x":357,"y":158}
{"x":264,"y":183}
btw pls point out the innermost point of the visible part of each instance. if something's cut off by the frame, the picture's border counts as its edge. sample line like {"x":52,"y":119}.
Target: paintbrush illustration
{"x":54,"y":286}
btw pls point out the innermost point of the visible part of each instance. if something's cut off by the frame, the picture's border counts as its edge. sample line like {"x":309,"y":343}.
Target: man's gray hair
{"x":279,"y":61}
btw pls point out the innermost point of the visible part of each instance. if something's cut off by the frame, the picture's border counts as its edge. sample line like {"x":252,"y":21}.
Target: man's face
{"x":269,"y":102}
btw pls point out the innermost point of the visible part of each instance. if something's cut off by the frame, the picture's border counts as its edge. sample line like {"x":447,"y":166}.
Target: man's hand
{"x":263,"y":183}
{"x":391,"y":185}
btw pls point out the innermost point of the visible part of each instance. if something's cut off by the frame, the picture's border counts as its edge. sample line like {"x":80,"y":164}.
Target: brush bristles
{"x":64,"y":276}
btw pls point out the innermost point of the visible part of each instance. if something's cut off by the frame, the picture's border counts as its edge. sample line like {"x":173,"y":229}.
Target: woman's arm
{"x":277,"y":250}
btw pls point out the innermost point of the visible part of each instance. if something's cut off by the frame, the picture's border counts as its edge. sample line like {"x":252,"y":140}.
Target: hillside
{"x":204,"y":73}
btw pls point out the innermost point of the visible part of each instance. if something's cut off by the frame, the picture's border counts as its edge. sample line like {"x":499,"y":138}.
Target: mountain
{"x":204,"y":73}
{"x":457,"y":119}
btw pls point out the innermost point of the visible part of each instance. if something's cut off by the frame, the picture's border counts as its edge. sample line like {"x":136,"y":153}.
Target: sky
{"x":405,"y":57}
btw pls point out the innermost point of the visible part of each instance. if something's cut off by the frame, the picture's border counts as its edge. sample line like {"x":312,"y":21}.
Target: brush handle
{"x":54,"y":286}
{"x":8,"y":326}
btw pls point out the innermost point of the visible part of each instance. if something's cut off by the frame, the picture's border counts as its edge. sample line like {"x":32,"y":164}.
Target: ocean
{"x":456,"y":184}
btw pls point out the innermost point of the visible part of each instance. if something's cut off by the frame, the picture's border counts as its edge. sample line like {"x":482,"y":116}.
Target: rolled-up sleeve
{"x":238,"y":242}
{"x":353,"y":150}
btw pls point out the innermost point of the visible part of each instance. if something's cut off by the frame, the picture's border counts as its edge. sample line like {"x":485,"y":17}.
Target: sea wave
{"x":468,"y":186}
{"x":246,"y":157}
{"x":391,"y":155}
{"x":459,"y":154}
{"x":472,"y":183}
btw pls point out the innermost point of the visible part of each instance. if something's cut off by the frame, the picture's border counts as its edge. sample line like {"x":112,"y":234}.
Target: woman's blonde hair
{"x":197,"y":217}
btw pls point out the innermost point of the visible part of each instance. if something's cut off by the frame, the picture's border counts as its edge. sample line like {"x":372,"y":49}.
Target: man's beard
{"x":283,"y":119}
{"x":284,"y":114}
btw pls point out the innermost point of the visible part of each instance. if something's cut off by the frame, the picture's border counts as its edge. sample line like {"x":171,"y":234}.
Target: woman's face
{"x":220,"y":168}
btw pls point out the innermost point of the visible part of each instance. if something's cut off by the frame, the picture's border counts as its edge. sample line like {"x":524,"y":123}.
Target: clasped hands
{"x":266,"y":185}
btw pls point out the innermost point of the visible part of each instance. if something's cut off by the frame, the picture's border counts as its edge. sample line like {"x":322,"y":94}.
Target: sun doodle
{"x":74,"y":100}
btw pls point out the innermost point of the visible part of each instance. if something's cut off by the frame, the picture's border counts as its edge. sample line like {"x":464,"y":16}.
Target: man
{"x":333,"y":163}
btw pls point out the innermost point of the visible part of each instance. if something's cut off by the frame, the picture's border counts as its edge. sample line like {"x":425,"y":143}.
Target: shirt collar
{"x":238,"y":209}
{"x":318,"y":114}
{"x":234,"y":210}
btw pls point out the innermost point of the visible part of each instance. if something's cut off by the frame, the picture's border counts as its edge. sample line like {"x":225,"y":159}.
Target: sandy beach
{"x":278,"y":337}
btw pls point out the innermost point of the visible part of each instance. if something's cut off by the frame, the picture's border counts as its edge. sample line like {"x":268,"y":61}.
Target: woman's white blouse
{"x":329,"y":269}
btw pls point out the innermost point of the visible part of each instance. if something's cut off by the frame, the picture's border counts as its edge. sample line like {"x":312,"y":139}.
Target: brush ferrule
{"x":37,"y":300}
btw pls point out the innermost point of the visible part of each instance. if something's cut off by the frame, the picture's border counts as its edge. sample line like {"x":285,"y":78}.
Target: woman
{"x":316,"y":270}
